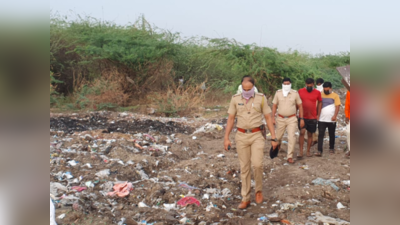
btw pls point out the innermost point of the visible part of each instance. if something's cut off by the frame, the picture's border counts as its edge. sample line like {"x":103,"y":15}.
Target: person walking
{"x":347,"y":114}
{"x":328,"y":117}
{"x":287,"y":100}
{"x":249,"y":108}
{"x":310,"y":99}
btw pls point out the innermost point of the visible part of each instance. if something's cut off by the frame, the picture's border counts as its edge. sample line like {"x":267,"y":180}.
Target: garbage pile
{"x":137,"y":175}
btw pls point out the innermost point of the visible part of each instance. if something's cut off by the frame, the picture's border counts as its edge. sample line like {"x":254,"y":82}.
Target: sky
{"x":311,"y":26}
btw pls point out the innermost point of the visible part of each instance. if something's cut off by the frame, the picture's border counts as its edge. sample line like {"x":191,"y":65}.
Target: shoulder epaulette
{"x":279,"y":90}
{"x":294,"y":91}
{"x":235,"y":95}
{"x":260,"y":94}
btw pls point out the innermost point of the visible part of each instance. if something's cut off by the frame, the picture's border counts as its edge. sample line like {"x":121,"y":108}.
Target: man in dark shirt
{"x":310,"y":97}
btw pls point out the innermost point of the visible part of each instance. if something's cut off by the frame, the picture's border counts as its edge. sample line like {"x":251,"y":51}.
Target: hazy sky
{"x":312,"y":26}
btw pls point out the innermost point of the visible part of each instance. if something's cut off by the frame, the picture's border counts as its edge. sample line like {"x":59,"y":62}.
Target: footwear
{"x":314,"y":143}
{"x":319,"y":154}
{"x":290,"y":160}
{"x":299,"y":156}
{"x":244,"y":205}
{"x":332,"y":151}
{"x":259,"y":197}
{"x":309,"y":154}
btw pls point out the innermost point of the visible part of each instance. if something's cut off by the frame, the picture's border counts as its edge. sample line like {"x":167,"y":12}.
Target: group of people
{"x":312,"y":110}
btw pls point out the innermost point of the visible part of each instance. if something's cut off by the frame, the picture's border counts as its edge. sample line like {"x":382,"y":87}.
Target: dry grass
{"x":178,"y":101}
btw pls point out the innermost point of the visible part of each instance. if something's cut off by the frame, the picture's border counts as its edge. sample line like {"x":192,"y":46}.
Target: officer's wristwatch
{"x":275,"y":139}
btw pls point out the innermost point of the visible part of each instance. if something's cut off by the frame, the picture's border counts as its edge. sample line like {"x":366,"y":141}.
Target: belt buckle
{"x":285,"y":117}
{"x":248,"y":131}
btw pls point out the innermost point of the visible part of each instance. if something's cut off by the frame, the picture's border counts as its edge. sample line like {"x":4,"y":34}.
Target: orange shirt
{"x":347,"y":105}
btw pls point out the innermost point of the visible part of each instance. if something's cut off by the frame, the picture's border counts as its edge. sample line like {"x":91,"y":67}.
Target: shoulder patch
{"x":260,"y":94}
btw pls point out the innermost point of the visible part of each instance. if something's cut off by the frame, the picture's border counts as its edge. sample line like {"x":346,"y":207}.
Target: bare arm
{"x":336,"y":113}
{"x":319,"y":109}
{"x":274,"y":107}
{"x":271,"y":128}
{"x":229,"y":126}
{"x":300,"y":108}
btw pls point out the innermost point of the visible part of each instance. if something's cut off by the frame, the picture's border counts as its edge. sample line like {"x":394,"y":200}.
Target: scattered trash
{"x":320,"y":181}
{"x":142,"y":205}
{"x":263,"y":219}
{"x":121,"y":190}
{"x":285,"y":142}
{"x":184,"y":185}
{"x":72,"y":163}
{"x":285,"y":222}
{"x":89,"y":184}
{"x":346,"y":182}
{"x":52,"y":214}
{"x":230,"y":215}
{"x":206,"y":196}
{"x":62,"y":216}
{"x":168,"y":207}
{"x":304,"y":167}
{"x":122,"y":222}
{"x":188,"y":201}
{"x":208,"y":127}
{"x":103,"y":173}
{"x":194,"y":137}
{"x":340,"y":206}
{"x":54,"y":187}
{"x":221,"y":156}
{"x":318,"y":217}
{"x":78,"y":188}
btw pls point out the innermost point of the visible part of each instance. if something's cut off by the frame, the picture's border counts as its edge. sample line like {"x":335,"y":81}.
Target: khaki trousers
{"x":250,"y":148}
{"x":289,"y":124}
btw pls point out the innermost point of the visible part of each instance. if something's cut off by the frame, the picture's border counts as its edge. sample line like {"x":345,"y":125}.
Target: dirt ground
{"x":84,"y":144}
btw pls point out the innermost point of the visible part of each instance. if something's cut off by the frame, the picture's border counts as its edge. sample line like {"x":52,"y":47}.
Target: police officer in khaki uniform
{"x":287,"y":101}
{"x":249,"y":108}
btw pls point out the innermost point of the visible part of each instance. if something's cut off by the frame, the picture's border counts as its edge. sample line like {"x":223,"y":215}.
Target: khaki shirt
{"x":287,"y":105}
{"x":249,"y":115}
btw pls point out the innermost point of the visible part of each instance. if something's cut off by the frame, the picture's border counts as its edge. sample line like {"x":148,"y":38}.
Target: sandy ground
{"x":83,"y":144}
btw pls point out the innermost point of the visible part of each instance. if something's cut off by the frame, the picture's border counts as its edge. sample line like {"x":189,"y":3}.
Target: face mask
{"x":248,"y":94}
{"x":320,"y":88}
{"x":327,"y":92}
{"x":309,"y":89}
{"x":286,"y":89}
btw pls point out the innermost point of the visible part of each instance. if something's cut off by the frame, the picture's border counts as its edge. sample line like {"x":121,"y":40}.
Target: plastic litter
{"x":62,"y":216}
{"x":122,"y":222}
{"x":89,"y":184}
{"x":208,"y":127}
{"x":88,"y":165}
{"x":103,"y":173}
{"x":188,"y":201}
{"x":340,"y":206}
{"x":78,"y":188}
{"x":68,"y":175}
{"x":206,"y":196}
{"x":142,"y":205}
{"x":168,"y":207}
{"x":54,"y":187}
{"x":304,"y":167}
{"x":121,"y":190}
{"x":184,"y":185}
{"x":221,"y":156}
{"x":230,"y":215}
{"x":320,"y":181}
{"x":263,"y":219}
{"x":194,"y":137}
{"x":148,"y":136}
{"x":346,"y":182}
{"x":72,"y":163}
{"x":329,"y":220}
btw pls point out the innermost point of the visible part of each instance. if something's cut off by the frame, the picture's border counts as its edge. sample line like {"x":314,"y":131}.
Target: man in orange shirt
{"x":347,"y":113}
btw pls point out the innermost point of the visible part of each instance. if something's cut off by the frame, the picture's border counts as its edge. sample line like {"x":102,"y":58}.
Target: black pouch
{"x":274,"y":152}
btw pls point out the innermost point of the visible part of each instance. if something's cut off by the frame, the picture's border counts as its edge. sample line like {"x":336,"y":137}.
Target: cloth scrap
{"x":121,"y":190}
{"x":188,"y":201}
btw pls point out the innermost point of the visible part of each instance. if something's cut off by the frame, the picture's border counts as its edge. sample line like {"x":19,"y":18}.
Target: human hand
{"x":273,"y":121}
{"x":227,"y":143}
{"x":302,"y":124}
{"x":274,"y":144}
{"x":334,"y":118}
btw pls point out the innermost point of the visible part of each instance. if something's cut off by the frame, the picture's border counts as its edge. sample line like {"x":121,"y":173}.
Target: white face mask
{"x":286,"y":89}
{"x":320,"y":88}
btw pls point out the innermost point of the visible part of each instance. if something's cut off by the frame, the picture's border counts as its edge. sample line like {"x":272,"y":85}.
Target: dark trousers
{"x":321,"y":129}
